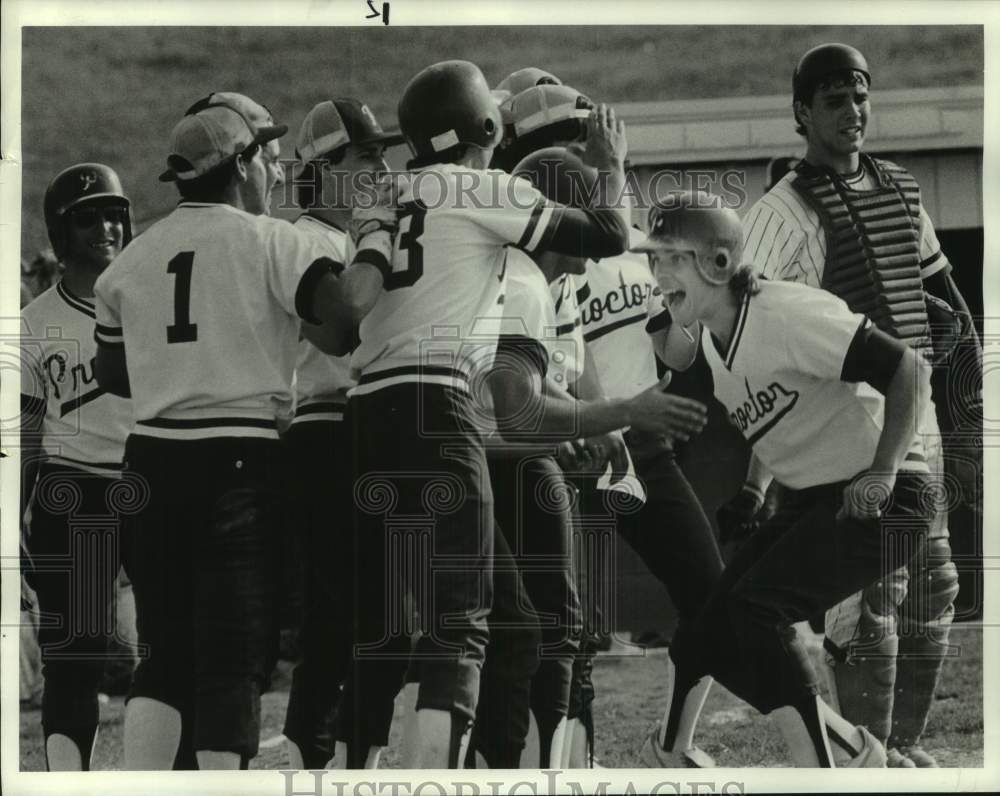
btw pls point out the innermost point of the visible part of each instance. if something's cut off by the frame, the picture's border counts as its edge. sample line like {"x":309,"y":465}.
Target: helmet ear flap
{"x":717,"y":265}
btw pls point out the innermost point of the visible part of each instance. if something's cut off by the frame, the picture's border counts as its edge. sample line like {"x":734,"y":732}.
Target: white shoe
{"x":652,"y":755}
{"x":872,"y":754}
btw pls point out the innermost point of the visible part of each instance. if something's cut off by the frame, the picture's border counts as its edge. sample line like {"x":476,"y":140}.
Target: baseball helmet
{"x":697,"y":221}
{"x":84,"y":183}
{"x":823,"y":61}
{"x":559,"y":175}
{"x":447,"y":105}
{"x":518,"y":81}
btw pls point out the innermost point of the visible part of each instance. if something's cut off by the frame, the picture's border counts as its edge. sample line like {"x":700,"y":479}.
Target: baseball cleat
{"x":919,"y":757}
{"x":872,"y":754}
{"x":896,"y":759}
{"x":652,"y":755}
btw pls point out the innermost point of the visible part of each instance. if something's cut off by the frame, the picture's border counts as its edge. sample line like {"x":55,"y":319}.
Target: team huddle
{"x":453,"y":389}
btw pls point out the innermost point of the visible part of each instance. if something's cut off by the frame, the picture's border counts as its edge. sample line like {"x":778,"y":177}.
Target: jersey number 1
{"x":408,"y":243}
{"x":182,"y":330}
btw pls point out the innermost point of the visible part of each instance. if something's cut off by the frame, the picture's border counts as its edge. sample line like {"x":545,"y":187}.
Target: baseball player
{"x":340,"y":145}
{"x":830,"y":405}
{"x":200,"y":322}
{"x":616,"y":300}
{"x":72,"y":442}
{"x":540,"y":116}
{"x":854,"y":225}
{"x":418,"y":307}
{"x":541,"y":317}
{"x":621,"y":310}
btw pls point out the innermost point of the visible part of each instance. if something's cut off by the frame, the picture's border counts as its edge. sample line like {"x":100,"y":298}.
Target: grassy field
{"x":630,"y":697}
{"x":113,"y":95}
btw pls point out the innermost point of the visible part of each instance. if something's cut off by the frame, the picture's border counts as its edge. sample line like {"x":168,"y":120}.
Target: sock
{"x":70,"y":749}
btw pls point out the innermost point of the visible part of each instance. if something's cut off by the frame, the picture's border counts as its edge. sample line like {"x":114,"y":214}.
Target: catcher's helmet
{"x":445,"y":106}
{"x":560,"y":176}
{"x":821,"y":62}
{"x":697,"y":222}
{"x":84,"y":183}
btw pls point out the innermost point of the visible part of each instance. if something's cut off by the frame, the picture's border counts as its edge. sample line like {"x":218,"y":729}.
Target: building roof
{"x":756,"y":128}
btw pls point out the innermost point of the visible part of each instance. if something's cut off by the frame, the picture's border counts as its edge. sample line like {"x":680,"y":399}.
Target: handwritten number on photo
{"x":375,"y":13}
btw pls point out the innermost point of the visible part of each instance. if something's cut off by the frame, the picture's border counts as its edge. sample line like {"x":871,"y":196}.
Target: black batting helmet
{"x":560,"y":176}
{"x":823,"y":61}
{"x":84,"y":183}
{"x":445,"y":106}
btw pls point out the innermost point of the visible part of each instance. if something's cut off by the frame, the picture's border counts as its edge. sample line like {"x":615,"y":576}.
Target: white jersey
{"x":83,"y":426}
{"x":784,"y":239}
{"x":207,"y":303}
{"x":322,"y":380}
{"x":779,"y":379}
{"x":546,"y":313}
{"x":550,"y":315}
{"x":447,"y":275}
{"x":618,"y":297}
{"x":566,"y":365}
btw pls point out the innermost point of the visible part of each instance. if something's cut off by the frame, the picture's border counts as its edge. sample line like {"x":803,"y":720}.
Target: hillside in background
{"x":113,"y":95}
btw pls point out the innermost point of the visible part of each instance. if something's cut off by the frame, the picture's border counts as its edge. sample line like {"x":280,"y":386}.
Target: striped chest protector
{"x":872,"y":245}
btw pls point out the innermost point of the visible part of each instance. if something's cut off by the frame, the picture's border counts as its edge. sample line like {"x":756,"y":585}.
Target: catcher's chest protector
{"x":872,"y":245}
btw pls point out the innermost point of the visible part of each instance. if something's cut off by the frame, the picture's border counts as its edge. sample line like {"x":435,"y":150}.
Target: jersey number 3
{"x":411,"y":219}
{"x":182,"y":330}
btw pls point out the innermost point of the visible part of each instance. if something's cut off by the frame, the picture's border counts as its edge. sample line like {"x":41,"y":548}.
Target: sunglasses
{"x":87,"y":217}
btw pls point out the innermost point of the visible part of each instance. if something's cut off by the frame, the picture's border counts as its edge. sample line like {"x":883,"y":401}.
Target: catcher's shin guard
{"x":925,"y":623}
{"x":861,"y":644}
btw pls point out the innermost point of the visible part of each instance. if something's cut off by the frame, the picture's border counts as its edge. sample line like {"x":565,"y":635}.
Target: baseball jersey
{"x":780,"y":381}
{"x":436,"y":315}
{"x":617,"y":298}
{"x":784,"y":239}
{"x":549,"y":315}
{"x":207,"y":303}
{"x":545,"y":313}
{"x":322,"y":380}
{"x":83,"y":426}
{"x":567,"y":328}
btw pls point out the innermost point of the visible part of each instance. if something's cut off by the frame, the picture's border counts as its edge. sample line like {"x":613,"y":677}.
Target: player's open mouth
{"x":102,"y":244}
{"x":852,"y":131}
{"x":671,"y":298}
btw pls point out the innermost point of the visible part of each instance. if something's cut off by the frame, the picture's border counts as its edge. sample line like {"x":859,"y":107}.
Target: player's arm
{"x":110,"y":365}
{"x":903,"y":377}
{"x":610,"y":447}
{"x":603,"y":229}
{"x":935,"y":271}
{"x":374,"y":228}
{"x":111,"y":370}
{"x":351,"y":297}
{"x":523,"y":407}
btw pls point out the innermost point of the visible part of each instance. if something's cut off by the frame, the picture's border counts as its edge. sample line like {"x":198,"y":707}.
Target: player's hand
{"x":739,"y":516}
{"x":867,"y":496}
{"x":375,"y":211}
{"x":606,"y":143}
{"x":662,"y":413}
{"x":566,"y":456}
{"x":605,"y":448}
